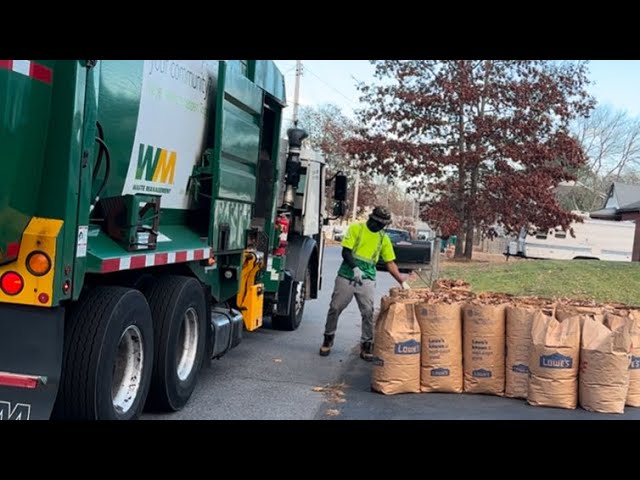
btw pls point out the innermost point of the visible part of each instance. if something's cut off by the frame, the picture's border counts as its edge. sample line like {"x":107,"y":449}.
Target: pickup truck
{"x":411,"y":254}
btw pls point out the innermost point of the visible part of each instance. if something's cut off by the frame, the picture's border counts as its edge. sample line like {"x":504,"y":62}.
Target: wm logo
{"x":19,"y":411}
{"x":156,"y":164}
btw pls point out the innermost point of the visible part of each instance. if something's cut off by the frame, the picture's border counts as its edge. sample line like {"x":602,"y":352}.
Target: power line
{"x":328,"y":85}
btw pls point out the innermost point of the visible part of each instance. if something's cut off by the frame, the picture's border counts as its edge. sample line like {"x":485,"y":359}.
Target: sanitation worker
{"x":362,"y":246}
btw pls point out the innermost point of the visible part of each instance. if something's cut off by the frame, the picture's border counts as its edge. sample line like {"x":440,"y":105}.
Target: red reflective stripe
{"x":21,"y":381}
{"x":111,"y":265}
{"x":139,"y":261}
{"x":162,"y":258}
{"x":36,"y":71}
{"x":40,"y":72}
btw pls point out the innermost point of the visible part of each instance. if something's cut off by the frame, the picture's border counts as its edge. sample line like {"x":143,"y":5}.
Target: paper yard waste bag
{"x":604,"y":366}
{"x":564,"y":311}
{"x":633,"y":325}
{"x":483,"y":348}
{"x":441,"y":358}
{"x":398,"y":293}
{"x":554,"y":361}
{"x":396,"y":349}
{"x":633,"y":397}
{"x":518,"y":330}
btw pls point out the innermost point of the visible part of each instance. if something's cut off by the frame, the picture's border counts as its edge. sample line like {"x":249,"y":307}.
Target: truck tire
{"x":108,"y":355}
{"x":292,"y":321}
{"x":178,"y":309}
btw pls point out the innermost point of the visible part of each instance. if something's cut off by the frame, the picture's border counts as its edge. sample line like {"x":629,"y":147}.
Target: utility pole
{"x":296,"y":93}
{"x":355,"y":196}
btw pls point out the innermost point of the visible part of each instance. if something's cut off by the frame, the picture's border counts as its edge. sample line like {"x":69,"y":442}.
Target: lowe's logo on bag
{"x":410,"y":347}
{"x":440,"y":372}
{"x":635,"y":362}
{"x":520,"y":368}
{"x":556,"y":360}
{"x":481,"y":373}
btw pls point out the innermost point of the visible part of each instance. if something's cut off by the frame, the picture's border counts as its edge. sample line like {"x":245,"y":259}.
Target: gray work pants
{"x":343,"y":293}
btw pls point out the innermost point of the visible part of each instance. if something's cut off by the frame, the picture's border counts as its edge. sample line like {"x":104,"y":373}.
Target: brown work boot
{"x":325,"y":349}
{"x":366,"y":351}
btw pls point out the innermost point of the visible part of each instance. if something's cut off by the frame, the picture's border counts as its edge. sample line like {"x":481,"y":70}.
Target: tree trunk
{"x":468,"y":243}
{"x":461,"y":212}
{"x":470,"y":223}
{"x":459,"y":237}
{"x":462,"y":177}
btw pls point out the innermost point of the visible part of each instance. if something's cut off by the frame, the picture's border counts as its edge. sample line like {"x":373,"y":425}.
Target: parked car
{"x":411,"y":254}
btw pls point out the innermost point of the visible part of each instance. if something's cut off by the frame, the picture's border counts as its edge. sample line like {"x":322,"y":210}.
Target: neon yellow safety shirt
{"x":367,"y":247}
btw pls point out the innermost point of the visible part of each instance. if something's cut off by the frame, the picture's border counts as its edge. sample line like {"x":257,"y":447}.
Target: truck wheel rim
{"x":127,"y":369}
{"x":187,"y":344}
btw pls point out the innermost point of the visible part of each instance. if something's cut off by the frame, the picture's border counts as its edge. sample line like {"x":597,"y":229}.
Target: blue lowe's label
{"x":481,"y":373}
{"x":635,"y":362}
{"x":556,"y":360}
{"x":410,"y":347}
{"x":520,"y":368}
{"x":440,"y":372}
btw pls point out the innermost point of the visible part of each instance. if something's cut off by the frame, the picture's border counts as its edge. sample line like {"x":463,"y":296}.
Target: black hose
{"x":107,"y":172}
{"x":96,"y":167}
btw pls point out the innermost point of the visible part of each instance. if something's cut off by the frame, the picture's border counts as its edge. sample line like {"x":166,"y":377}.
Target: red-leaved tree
{"x":484,"y":141}
{"x":329,"y":130}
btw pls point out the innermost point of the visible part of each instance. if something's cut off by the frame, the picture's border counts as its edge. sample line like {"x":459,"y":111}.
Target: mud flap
{"x":285,"y":291}
{"x":31,"y":342}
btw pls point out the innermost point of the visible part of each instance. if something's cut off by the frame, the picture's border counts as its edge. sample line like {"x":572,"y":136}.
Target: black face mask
{"x":374,"y":225}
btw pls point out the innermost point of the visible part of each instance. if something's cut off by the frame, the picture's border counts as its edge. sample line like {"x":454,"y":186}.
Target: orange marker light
{"x":38,"y":263}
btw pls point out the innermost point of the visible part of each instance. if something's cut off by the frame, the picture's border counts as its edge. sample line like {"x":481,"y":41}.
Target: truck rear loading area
{"x":149,"y":215}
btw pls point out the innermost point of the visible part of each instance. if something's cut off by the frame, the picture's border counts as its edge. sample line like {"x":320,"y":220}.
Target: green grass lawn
{"x":600,"y":281}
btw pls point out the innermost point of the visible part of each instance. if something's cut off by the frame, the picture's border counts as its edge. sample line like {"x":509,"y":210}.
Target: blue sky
{"x":332,"y":81}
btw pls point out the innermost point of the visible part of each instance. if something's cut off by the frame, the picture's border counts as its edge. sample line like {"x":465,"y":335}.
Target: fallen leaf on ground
{"x":277,"y":360}
{"x":332,"y":412}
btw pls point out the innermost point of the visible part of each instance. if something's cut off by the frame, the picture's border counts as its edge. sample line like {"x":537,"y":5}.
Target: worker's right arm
{"x":347,"y":256}
{"x":348,"y":242}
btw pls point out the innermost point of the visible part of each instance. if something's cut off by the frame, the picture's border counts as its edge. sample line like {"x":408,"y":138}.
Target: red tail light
{"x":11,"y":283}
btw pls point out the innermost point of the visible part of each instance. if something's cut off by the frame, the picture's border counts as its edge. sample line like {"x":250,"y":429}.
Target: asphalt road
{"x":272,"y":375}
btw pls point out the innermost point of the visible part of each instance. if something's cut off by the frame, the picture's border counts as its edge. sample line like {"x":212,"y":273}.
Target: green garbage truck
{"x":150,"y":216}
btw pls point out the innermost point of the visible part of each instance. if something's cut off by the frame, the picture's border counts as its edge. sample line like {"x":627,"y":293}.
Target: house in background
{"x":623,"y":203}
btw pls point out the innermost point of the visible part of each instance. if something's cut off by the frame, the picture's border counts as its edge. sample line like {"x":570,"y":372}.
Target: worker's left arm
{"x":388,"y":257}
{"x":401,"y":278}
